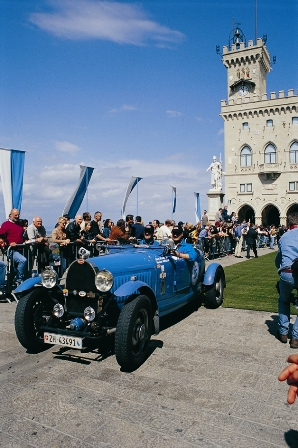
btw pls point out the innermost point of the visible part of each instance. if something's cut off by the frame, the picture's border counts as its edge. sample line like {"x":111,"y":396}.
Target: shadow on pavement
{"x":180,"y":314}
{"x":291,"y":438}
{"x":104,"y":350}
{"x":272,"y":324}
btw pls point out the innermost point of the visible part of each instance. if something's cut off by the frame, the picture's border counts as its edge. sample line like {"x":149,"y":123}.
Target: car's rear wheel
{"x":214,"y":293}
{"x":133,"y":333}
{"x":30,"y":314}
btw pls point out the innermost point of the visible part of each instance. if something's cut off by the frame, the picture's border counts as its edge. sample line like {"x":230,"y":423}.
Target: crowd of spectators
{"x":31,"y":245}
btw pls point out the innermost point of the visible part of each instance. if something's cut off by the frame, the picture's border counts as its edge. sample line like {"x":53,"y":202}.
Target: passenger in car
{"x":183,"y":249}
{"x":149,"y":236}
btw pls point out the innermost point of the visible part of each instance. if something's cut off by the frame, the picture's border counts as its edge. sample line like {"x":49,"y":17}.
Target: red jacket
{"x":12,"y":232}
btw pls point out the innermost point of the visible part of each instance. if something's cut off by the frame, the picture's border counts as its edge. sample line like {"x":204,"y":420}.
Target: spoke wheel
{"x":30,"y":315}
{"x":133,"y":333}
{"x":214,"y":293}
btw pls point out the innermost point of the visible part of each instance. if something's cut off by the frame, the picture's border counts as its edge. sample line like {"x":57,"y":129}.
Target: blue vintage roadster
{"x":124,"y":291}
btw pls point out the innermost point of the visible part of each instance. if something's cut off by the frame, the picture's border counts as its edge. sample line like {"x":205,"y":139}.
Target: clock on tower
{"x":247,"y":66}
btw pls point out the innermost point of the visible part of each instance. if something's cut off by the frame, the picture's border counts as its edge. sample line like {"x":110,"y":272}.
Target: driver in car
{"x":183,"y":249}
{"x":149,"y":236}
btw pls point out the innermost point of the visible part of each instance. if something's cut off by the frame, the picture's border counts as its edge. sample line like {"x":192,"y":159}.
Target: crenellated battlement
{"x":241,"y":46}
{"x":247,"y":65}
{"x":259,"y":98}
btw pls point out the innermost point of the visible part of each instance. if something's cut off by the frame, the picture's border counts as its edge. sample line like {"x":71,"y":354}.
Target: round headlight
{"x":49,"y":278}
{"x":58,"y":310}
{"x":89,"y":314}
{"x":104,"y":280}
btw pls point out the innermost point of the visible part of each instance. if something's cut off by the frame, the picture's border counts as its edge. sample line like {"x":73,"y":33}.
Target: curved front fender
{"x":210,"y":273}
{"x":28,"y":284}
{"x":129,"y":288}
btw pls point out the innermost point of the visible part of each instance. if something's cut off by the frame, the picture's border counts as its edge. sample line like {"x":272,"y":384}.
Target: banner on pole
{"x":12,"y":164}
{"x":229,"y":207}
{"x":76,"y":199}
{"x":174,"y":198}
{"x":197,"y":207}
{"x":133,"y":182}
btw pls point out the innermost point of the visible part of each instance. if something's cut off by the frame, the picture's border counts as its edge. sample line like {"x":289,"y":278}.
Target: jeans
{"x":286,"y":285}
{"x":20,"y":261}
{"x":2,"y":273}
{"x":272,"y":241}
{"x":227,"y":244}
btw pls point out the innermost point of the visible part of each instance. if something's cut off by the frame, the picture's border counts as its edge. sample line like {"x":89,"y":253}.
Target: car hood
{"x":126,"y":261}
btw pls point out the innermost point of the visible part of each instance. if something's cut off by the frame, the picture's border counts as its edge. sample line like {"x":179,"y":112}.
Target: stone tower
{"x":261,"y":137}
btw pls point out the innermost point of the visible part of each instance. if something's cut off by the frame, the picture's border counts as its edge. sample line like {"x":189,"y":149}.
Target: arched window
{"x":270,"y":154}
{"x":245,"y":156}
{"x":294,"y":152}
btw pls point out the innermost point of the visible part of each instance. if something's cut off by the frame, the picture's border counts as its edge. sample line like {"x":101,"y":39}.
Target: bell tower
{"x":260,"y":136}
{"x":247,"y":66}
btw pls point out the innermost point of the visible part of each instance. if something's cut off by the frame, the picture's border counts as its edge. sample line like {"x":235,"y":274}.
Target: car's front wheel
{"x":133,"y":333}
{"x":214,"y":293}
{"x":30,"y":314}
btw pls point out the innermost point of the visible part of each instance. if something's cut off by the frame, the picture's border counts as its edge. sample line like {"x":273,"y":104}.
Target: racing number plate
{"x":60,"y":339}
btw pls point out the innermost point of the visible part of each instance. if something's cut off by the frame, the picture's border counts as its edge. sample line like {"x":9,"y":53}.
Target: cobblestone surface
{"x":211,"y":381}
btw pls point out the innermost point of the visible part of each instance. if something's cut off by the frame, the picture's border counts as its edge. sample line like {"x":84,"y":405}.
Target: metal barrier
{"x":216,"y":246}
{"x":60,"y":257}
{"x":37,"y":257}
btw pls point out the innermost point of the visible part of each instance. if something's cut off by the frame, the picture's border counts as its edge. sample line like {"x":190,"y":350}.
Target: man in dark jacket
{"x":251,"y":238}
{"x":137,"y":229}
{"x":73,"y":231}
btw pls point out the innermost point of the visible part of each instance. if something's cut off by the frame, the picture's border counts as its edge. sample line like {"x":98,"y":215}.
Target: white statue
{"x":216,"y":174}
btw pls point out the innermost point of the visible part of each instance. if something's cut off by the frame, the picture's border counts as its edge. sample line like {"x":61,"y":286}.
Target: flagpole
{"x":137,"y":197}
{"x":172,"y":203}
{"x":87,"y":209}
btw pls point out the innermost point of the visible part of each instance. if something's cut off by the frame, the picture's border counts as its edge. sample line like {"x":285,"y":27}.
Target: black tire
{"x":133,"y":333}
{"x":29,"y":316}
{"x":214,"y":293}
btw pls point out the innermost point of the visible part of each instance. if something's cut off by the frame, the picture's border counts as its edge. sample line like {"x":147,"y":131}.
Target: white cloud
{"x":221,"y":131}
{"x":108,"y":20}
{"x":56,"y":182}
{"x":124,"y":108}
{"x":67,"y":147}
{"x":173,"y":113}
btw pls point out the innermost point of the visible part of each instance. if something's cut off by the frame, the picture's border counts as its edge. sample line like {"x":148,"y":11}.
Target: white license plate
{"x":66,"y":341}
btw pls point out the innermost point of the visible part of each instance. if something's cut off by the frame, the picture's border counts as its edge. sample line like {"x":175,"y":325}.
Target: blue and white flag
{"x":174,"y":198}
{"x":197,"y":207}
{"x":12,"y":174}
{"x":229,"y":207}
{"x":133,"y":182}
{"x":77,"y":197}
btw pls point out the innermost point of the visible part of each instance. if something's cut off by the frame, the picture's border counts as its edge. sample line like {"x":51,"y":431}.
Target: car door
{"x":164,"y":283}
{"x":181,"y":274}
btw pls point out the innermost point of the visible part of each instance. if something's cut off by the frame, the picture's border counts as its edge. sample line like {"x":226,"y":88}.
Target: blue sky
{"x":130,"y":88}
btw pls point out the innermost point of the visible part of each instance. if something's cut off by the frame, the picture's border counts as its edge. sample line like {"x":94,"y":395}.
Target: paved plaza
{"x":211,"y":381}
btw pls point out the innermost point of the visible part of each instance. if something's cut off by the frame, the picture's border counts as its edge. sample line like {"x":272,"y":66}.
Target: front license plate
{"x":60,"y":339}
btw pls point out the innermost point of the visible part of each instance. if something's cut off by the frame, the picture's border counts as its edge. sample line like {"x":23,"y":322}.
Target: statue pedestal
{"x":215,"y":202}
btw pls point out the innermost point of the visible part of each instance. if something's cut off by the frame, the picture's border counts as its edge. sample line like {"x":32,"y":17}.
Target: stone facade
{"x":261,"y":138}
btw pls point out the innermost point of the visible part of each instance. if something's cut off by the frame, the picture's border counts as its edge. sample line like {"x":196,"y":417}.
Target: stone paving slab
{"x":211,"y":381}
